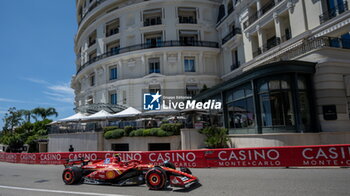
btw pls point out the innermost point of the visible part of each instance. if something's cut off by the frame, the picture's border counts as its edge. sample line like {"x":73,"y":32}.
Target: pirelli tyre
{"x":72,"y":175}
{"x":156,"y":178}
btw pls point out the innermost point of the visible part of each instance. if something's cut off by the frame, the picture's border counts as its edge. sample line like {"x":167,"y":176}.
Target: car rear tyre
{"x":72,"y":175}
{"x":156,"y":179}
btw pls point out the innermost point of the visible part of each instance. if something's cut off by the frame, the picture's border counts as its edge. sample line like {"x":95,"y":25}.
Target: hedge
{"x":172,"y":128}
{"x":158,"y":132}
{"x":114,"y":134}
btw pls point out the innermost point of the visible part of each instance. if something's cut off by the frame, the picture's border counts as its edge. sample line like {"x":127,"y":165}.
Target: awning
{"x":129,"y":112}
{"x":75,"y":117}
{"x":99,"y":115}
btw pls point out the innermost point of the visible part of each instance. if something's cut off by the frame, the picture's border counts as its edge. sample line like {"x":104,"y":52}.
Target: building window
{"x":158,"y":146}
{"x":275,"y":100}
{"x":113,"y":99}
{"x":112,"y":48}
{"x":92,"y":56}
{"x":191,"y":90}
{"x":152,"y":17}
{"x":154,"y":65}
{"x":188,"y":37}
{"x":240,"y":110}
{"x":92,"y":79}
{"x":153,"y":39}
{"x":90,"y":100}
{"x":154,"y":88}
{"x":113,"y":73}
{"x":304,"y":104}
{"x":92,"y":38}
{"x":187,"y":15}
{"x":112,"y":28}
{"x":190,"y":64}
{"x":120,"y":147}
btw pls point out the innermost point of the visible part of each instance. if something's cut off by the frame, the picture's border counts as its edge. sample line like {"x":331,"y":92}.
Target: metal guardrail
{"x":256,"y":15}
{"x":231,"y":34}
{"x":172,"y":43}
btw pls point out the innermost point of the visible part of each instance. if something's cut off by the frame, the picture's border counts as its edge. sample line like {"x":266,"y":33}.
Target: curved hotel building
{"x":280,"y":67}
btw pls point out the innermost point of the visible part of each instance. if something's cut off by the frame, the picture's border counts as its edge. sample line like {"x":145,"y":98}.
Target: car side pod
{"x":156,"y":178}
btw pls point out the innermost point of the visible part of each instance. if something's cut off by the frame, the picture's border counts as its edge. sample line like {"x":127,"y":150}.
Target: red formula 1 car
{"x":115,"y":172}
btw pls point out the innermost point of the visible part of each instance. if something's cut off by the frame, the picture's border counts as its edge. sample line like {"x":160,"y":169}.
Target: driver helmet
{"x":116,"y":157}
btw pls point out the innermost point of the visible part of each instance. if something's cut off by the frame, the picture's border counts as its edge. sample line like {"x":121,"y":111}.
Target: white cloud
{"x":56,"y":92}
{"x":11,"y":100}
{"x":65,"y":89}
{"x":34,"y":80}
{"x":60,"y":93}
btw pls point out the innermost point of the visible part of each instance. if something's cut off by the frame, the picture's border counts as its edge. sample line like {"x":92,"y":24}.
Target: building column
{"x":278,"y":28}
{"x":179,"y":62}
{"x":200,"y":63}
{"x":258,"y":7}
{"x":162,"y":65}
{"x":261,"y":38}
{"x":99,"y":39}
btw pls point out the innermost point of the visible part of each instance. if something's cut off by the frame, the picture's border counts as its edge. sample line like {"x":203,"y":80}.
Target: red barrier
{"x":326,"y":155}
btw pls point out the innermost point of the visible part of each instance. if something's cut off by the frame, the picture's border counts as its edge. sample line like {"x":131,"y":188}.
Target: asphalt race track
{"x":45,"y":180}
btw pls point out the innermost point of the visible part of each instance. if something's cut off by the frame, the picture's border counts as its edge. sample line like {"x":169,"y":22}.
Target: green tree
{"x":27,"y":114}
{"x":216,"y":137}
{"x":12,"y":119}
{"x":43,"y":113}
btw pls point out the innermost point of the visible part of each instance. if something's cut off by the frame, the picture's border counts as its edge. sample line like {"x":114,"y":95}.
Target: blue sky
{"x":37,"y":58}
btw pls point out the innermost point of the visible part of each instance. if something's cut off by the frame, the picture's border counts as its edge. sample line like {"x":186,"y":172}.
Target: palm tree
{"x":27,"y":114}
{"x":50,"y":112}
{"x":44,"y":112}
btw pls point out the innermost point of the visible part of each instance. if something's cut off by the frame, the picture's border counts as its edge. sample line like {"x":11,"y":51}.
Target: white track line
{"x":57,"y":191}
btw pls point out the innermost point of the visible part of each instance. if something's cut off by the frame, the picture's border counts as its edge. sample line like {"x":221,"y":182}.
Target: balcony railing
{"x":312,"y":44}
{"x":271,"y":44}
{"x":231,"y":34}
{"x":187,"y":20}
{"x":267,"y":46}
{"x":252,"y":18}
{"x":255,"y":16}
{"x":75,"y":128}
{"x":265,"y":8}
{"x":331,"y":13}
{"x":172,"y":43}
{"x":96,"y":107}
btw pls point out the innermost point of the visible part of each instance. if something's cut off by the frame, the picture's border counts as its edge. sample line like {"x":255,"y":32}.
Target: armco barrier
{"x":299,"y":156}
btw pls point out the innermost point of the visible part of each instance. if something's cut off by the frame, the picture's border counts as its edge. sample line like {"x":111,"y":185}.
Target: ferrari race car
{"x":115,"y":172}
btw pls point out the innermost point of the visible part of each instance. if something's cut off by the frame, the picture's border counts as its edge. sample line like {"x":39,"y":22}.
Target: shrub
{"x":114,"y":134}
{"x":216,"y":137}
{"x":162,"y":133}
{"x":109,"y":128}
{"x":150,"y":132}
{"x":128,"y":130}
{"x":138,"y":132}
{"x":172,"y":127}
